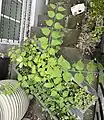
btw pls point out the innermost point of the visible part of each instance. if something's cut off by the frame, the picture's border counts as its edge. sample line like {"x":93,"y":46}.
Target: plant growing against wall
{"x":93,"y":27}
{"x":52,"y":79}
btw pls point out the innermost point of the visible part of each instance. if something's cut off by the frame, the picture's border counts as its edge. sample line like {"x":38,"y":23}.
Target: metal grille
{"x":13,"y":19}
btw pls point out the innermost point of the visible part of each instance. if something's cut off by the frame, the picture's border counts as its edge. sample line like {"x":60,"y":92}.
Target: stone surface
{"x":75,"y":21}
{"x":71,"y":37}
{"x":70,"y":54}
{"x":41,"y":20}
{"x":36,"y":31}
{"x":34,"y":111}
{"x":25,"y":119}
{"x":4,"y":48}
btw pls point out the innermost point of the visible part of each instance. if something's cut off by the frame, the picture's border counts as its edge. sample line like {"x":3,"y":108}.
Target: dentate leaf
{"x":79,"y":66}
{"x":79,"y":78}
{"x":20,"y":78}
{"x":67,"y":76}
{"x":52,"y":6}
{"x":63,"y":63}
{"x":56,"y":35}
{"x":19,"y":59}
{"x":37,"y":78}
{"x":59,"y":16}
{"x":54,"y":93}
{"x":56,"y":72}
{"x":56,"y":42}
{"x":91,"y":66}
{"x":57,"y":80}
{"x":58,"y":25}
{"x":59,"y":87}
{"x":51,"y":51}
{"x":45,"y":31}
{"x":48,"y":85}
{"x":44,"y":42}
{"x":34,"y":69}
{"x":51,"y":14}
{"x":24,"y":84}
{"x":65,"y":93}
{"x":49,"y":22}
{"x":61,"y":9}
{"x":90,"y":78}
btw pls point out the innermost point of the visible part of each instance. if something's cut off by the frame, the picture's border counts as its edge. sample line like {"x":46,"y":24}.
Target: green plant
{"x":3,"y":54}
{"x":52,"y":79}
{"x":96,"y":12}
{"x":97,"y":7}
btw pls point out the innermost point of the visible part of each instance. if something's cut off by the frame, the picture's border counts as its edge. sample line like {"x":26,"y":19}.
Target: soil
{"x":34,"y":111}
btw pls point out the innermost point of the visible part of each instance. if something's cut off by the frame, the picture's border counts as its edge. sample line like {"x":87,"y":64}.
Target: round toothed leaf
{"x":49,"y":22}
{"x":59,"y":16}
{"x":51,"y":14}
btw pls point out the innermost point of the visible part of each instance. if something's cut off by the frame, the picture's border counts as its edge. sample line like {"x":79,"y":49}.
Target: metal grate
{"x":13,"y":19}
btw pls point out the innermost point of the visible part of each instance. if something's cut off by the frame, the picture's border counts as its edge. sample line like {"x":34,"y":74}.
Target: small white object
{"x":78,"y":9}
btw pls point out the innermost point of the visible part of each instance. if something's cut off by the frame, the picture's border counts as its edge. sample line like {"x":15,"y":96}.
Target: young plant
{"x":52,"y":79}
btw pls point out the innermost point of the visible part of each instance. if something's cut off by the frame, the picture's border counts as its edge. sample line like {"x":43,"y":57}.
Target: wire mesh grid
{"x":13,"y":16}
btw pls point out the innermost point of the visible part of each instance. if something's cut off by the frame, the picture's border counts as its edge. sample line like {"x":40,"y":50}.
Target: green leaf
{"x":49,"y":70}
{"x":45,"y":31}
{"x":16,"y":86}
{"x":36,"y":59}
{"x":91,"y":66}
{"x":59,"y":16}
{"x":58,"y":25}
{"x":34,"y":69}
{"x":25,"y":84}
{"x":49,"y":22}
{"x":59,"y":87}
{"x":65,"y":94}
{"x":56,"y":35}
{"x":57,"y":80}
{"x":44,"y":56}
{"x":30,"y":97}
{"x":63,"y":63}
{"x":19,"y":59}
{"x":30,"y":58}
{"x":44,"y":42}
{"x":20,"y":78}
{"x":79,"y":65}
{"x":27,"y":91}
{"x":67,"y":76}
{"x":56,"y":72}
{"x":52,"y":6}
{"x":54,"y":93}
{"x":18,"y":51}
{"x":51,"y":51}
{"x":100,"y":66}
{"x":48,"y":85}
{"x":90,"y":78}
{"x":56,"y":42}
{"x":52,"y":62}
{"x":21,"y":65}
{"x":101,"y":77}
{"x":30,"y":63}
{"x":37,"y":78}
{"x":23,"y":53}
{"x":79,"y":78}
{"x":61,"y":9}
{"x":51,"y":14}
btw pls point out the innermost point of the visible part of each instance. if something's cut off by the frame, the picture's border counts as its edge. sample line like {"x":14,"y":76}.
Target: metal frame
{"x":23,"y":22}
{"x":0,"y":8}
{"x":28,"y":20}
